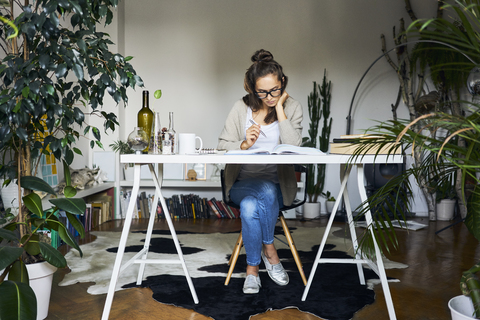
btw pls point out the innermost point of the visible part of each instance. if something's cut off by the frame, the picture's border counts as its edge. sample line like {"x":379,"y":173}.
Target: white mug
{"x":186,"y":143}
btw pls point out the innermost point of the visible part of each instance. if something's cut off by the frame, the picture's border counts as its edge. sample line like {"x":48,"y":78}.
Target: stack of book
{"x":345,"y":145}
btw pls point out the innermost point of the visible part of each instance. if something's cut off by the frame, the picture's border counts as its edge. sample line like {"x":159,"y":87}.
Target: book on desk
{"x":348,"y":144}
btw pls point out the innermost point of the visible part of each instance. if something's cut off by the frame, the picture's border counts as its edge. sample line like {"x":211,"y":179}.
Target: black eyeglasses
{"x":274,"y":93}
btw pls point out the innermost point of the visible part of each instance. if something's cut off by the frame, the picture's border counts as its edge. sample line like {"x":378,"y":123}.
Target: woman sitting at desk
{"x":264,"y":118}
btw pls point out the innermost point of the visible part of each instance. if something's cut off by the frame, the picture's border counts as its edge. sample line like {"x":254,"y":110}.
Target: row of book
{"x":142,"y":207}
{"x":179,"y":206}
{"x":192,"y":206}
{"x":100,"y":208}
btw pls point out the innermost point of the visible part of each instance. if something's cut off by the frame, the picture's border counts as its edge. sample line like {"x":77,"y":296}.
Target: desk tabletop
{"x":259,"y":158}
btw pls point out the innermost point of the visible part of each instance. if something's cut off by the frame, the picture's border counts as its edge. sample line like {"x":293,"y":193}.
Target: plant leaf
{"x":8,"y":255}
{"x":66,"y":171}
{"x":35,"y":183}
{"x":33,"y":202}
{"x":18,"y":272}
{"x":76,"y":224}
{"x":69,"y":192}
{"x":7,"y":234}
{"x":17,"y":301}
{"x":71,"y":205}
{"x":67,"y":237}
{"x":472,"y":220}
{"x":52,"y":255}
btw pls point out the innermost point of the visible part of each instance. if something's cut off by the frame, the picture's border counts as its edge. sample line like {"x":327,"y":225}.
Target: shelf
{"x":175,"y":183}
{"x":81,"y":193}
{"x":181,"y":184}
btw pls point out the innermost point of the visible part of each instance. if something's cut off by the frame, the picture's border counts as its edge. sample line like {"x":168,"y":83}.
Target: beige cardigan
{"x":233,"y":134}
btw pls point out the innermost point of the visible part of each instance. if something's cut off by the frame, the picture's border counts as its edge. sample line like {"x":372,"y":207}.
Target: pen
{"x":263,"y":133}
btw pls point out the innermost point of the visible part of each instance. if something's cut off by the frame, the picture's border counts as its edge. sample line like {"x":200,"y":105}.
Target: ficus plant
{"x":55,"y":69}
{"x":17,"y":299}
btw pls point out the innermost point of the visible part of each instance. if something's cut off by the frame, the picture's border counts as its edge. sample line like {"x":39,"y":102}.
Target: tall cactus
{"x":318,"y":106}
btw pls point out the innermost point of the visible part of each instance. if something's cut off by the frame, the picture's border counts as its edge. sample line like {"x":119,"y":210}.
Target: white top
{"x":267,"y":140}
{"x":261,"y":158}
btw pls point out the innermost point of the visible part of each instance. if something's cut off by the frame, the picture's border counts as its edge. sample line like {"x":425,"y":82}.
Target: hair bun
{"x":262,"y":56}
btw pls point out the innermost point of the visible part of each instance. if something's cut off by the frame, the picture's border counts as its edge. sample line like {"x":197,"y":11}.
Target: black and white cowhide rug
{"x":335,"y":292}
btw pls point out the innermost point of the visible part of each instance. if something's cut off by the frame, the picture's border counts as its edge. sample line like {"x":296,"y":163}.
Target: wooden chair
{"x":296,"y":203}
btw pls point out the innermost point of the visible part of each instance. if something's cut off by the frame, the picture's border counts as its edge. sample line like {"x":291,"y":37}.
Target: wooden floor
{"x":435,"y":266}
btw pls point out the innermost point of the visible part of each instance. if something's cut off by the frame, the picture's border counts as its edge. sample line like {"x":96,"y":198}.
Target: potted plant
{"x":318,"y":106}
{"x":329,"y":201}
{"x":122,"y":147}
{"x":446,"y":197}
{"x":24,"y":256}
{"x":458,"y":150}
{"x":57,"y":69}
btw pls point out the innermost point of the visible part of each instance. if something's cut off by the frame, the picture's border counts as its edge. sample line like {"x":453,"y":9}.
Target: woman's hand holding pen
{"x":279,"y":107}
{"x":252,"y":135}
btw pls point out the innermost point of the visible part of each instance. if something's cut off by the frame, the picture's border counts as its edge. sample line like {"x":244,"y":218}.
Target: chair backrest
{"x":296,"y":203}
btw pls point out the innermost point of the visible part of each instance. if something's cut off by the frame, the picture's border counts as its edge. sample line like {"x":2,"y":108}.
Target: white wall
{"x":197,"y":52}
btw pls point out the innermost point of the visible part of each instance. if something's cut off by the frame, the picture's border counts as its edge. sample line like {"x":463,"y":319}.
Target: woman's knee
{"x":248,"y":207}
{"x":269,"y":191}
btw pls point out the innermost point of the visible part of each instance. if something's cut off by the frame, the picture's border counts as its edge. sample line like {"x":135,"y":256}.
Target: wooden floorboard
{"x":435,"y":262}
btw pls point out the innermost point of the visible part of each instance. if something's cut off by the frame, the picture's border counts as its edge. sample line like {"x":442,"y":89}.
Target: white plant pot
{"x":311,"y":210}
{"x":445,"y":209}
{"x":461,"y":308}
{"x":41,"y":277}
{"x":329,"y":206}
{"x":128,"y":173}
{"x":9,"y":195}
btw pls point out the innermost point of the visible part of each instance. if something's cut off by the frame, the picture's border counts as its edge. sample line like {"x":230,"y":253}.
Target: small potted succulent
{"x":329,"y":201}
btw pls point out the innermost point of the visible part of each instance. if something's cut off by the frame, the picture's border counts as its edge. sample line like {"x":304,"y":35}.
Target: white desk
{"x":158,"y":160}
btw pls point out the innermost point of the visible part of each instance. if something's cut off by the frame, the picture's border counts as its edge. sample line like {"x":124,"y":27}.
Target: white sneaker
{"x":252,"y":284}
{"x":276,"y":272}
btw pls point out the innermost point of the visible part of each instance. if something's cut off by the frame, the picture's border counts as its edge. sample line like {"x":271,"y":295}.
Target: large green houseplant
{"x":55,"y":71}
{"x":456,"y":150}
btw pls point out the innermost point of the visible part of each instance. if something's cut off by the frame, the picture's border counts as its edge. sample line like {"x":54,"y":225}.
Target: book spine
{"x":226,"y":210}
{"x":214,"y":209}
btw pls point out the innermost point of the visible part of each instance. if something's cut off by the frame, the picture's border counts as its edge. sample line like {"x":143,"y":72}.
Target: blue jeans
{"x":259,"y":201}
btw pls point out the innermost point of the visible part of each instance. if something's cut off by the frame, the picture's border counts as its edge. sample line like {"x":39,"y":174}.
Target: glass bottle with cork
{"x":145,"y":117}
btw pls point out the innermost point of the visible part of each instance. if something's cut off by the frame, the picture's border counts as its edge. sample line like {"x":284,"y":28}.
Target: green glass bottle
{"x":145,"y":117}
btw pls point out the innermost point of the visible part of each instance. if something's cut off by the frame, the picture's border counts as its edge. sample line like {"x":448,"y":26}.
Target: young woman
{"x":264,"y":118}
